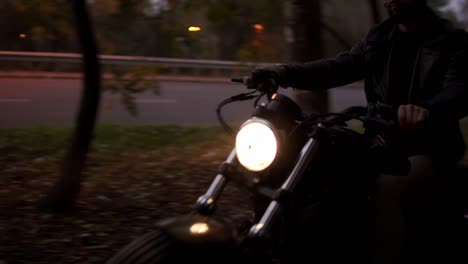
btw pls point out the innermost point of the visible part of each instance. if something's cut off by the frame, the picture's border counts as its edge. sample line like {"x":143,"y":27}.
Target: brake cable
{"x":235,"y":98}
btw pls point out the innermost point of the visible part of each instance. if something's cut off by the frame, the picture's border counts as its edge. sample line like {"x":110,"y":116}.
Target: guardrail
{"x":216,"y":67}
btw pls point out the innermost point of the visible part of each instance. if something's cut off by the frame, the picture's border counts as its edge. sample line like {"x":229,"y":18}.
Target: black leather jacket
{"x":439,"y":80}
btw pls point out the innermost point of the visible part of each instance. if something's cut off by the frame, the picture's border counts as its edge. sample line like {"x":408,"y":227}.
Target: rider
{"x":416,"y":62}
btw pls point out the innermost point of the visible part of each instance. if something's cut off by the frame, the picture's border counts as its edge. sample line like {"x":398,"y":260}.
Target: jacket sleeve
{"x":452,"y":101}
{"x":345,"y":68}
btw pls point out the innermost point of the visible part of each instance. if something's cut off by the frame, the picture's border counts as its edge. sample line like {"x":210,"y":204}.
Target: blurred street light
{"x":194,"y":29}
{"x":22,"y":35}
{"x":258,"y":27}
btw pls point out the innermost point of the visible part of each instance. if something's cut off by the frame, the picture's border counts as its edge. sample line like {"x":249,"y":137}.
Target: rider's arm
{"x":452,"y":101}
{"x":345,"y":68}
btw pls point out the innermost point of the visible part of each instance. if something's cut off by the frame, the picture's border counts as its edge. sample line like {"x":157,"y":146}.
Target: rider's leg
{"x":411,"y":211}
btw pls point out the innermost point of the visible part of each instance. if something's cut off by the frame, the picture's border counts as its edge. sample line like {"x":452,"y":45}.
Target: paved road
{"x":54,"y":101}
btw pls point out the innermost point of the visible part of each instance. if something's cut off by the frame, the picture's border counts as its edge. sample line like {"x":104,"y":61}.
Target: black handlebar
{"x":243,"y":80}
{"x":375,"y":115}
{"x":267,"y":86}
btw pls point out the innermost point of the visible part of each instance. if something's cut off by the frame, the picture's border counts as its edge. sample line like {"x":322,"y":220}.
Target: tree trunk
{"x":308,"y":46}
{"x":374,"y":9}
{"x":65,"y":192}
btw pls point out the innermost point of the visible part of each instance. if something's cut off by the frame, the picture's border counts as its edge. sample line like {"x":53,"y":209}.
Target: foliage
{"x":123,"y":28}
{"x":45,"y":25}
{"x":129,"y":82}
{"x":238,"y":18}
{"x":135,"y":27}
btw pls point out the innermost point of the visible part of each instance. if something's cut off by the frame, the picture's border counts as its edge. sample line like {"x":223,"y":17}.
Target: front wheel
{"x":158,"y":247}
{"x":150,"y":248}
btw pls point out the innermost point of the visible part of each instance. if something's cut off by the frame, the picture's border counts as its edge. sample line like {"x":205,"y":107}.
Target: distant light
{"x":194,"y":29}
{"x":258,"y":27}
{"x":22,"y":35}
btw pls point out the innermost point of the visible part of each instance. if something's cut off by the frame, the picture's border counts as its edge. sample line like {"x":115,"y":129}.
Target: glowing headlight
{"x":256,"y":145}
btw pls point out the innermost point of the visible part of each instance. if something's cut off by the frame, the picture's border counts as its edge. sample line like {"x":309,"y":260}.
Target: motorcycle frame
{"x":206,"y":203}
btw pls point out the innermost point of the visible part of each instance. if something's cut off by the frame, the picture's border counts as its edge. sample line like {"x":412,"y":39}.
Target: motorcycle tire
{"x":149,"y":248}
{"x":158,"y":247}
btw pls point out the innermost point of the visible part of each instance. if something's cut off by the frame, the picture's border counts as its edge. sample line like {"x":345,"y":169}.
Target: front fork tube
{"x":206,"y":204}
{"x":266,"y":222}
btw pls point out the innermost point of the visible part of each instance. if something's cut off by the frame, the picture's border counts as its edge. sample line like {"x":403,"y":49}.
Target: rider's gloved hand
{"x":264,"y":75}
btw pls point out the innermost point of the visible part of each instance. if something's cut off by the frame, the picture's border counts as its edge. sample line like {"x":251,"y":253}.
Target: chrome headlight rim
{"x":275,"y":133}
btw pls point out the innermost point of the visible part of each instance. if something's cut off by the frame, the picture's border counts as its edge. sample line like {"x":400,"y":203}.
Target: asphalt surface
{"x":46,"y":101}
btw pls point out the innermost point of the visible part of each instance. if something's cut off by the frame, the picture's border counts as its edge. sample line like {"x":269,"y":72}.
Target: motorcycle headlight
{"x":256,"y":144}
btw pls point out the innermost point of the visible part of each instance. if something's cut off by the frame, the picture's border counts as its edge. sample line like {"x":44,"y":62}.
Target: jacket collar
{"x":437,"y":30}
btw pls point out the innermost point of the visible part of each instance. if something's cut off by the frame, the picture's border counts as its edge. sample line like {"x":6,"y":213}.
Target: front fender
{"x":197,"y":229}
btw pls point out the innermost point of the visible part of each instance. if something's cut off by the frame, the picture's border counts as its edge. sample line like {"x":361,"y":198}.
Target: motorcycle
{"x":311,"y":178}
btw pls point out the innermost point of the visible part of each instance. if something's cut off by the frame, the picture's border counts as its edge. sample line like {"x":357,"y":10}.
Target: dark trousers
{"x":417,"y":215}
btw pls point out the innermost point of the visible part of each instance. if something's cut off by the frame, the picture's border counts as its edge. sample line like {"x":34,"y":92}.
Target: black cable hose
{"x":236,"y":98}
